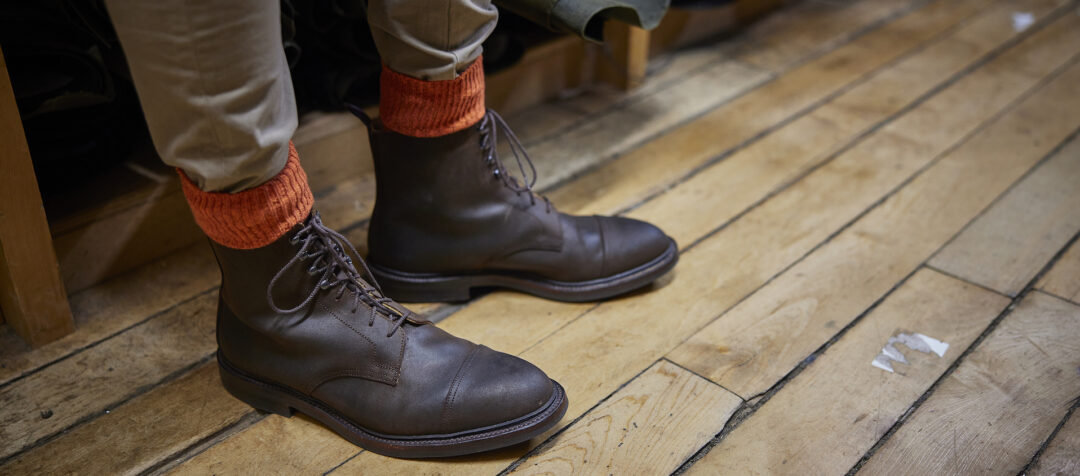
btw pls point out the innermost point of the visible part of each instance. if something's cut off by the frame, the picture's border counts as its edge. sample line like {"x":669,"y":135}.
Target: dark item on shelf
{"x":333,"y":57}
{"x":585,"y":18}
{"x":699,"y":4}
{"x":72,"y":88}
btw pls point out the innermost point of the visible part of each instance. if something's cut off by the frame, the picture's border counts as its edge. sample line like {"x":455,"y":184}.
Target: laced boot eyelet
{"x":311,"y":271}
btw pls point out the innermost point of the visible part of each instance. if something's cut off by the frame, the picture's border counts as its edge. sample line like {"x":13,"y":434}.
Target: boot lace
{"x":326,"y":249}
{"x":489,"y":130}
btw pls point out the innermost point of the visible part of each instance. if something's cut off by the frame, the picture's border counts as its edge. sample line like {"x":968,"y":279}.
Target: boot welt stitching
{"x":551,"y":407}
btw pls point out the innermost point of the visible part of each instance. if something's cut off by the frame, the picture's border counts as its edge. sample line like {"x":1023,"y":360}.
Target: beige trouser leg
{"x":214,"y":85}
{"x":430,"y":39}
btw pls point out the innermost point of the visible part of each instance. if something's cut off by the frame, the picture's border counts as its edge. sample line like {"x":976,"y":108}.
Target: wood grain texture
{"x":60,"y":395}
{"x":753,"y":172}
{"x":657,"y":164}
{"x":609,"y":133}
{"x":841,"y":405}
{"x":805,"y":29}
{"x":759,"y":341}
{"x":1012,"y":241}
{"x":592,"y":353}
{"x":650,"y":426}
{"x":992,"y":413}
{"x":115,"y":305}
{"x":534,"y":316}
{"x":135,"y":436}
{"x":1063,"y":280}
{"x":1062,"y":455}
{"x":32,"y":294}
{"x":488,"y":315}
{"x":296,"y":445}
{"x":739,"y":181}
{"x":789,"y":35}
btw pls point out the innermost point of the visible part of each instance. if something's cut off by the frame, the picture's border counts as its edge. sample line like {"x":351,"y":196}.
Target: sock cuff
{"x":431,"y":108}
{"x":255,"y":217}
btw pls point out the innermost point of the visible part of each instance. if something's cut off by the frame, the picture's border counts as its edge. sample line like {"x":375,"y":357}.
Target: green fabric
{"x":585,"y":18}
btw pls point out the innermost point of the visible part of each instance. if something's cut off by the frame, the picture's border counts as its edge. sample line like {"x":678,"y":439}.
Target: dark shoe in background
{"x":299,"y":329}
{"x":448,"y":218}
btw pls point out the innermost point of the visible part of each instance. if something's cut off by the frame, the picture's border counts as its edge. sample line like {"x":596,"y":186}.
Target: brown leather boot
{"x":448,"y":218}
{"x":300,"y":330}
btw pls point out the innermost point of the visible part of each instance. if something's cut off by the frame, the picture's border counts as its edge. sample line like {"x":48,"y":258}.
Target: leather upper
{"x":442,"y":207}
{"x":413,"y":380}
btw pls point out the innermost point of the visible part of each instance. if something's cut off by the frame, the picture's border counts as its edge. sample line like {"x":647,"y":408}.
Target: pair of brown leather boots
{"x":300,"y":328}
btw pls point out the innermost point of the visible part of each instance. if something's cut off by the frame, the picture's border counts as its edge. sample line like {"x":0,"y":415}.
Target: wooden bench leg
{"x":629,"y":47}
{"x":32,"y":295}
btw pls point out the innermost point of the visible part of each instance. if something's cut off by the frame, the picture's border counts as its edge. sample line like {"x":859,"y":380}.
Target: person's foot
{"x":448,"y":218}
{"x":299,"y":329}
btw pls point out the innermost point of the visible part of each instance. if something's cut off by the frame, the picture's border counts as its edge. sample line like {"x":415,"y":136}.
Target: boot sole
{"x":278,"y":399}
{"x":404,"y":286}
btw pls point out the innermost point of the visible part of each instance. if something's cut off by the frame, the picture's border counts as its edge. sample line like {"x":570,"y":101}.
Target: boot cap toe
{"x":493,"y":388}
{"x":629,"y":243}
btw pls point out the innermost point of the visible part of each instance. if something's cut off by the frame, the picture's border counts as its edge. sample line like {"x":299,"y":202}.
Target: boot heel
{"x":262,"y":398}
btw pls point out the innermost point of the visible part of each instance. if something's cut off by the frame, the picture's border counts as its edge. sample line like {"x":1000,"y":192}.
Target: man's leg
{"x":448,"y":218}
{"x":299,"y":328}
{"x":218,"y":98}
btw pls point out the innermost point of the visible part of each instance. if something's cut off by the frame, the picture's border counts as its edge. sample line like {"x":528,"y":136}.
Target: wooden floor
{"x":878,"y":207}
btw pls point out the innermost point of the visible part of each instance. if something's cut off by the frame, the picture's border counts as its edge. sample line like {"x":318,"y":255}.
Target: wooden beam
{"x":31,"y":294}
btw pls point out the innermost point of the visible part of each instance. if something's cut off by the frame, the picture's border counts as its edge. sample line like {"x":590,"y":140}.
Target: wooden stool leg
{"x":630,"y":50}
{"x":32,"y":295}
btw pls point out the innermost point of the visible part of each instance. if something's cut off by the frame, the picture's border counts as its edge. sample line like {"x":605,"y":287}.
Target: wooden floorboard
{"x":296,"y":445}
{"x":115,"y":305}
{"x":602,"y":337}
{"x":659,"y":163}
{"x":1001,"y":403}
{"x":752,"y":173}
{"x":1063,"y":280}
{"x":758,"y":342}
{"x":480,"y":322}
{"x":1009,"y":244}
{"x":840,"y":405}
{"x":780,"y":41}
{"x":1062,"y":455}
{"x":133,"y":438}
{"x":650,"y":426}
{"x":92,"y":381}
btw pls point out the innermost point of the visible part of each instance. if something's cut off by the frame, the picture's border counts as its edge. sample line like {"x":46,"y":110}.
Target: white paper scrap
{"x":915,"y":341}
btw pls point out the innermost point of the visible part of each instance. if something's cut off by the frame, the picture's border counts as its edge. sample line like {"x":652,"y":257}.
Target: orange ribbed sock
{"x":431,"y":108}
{"x":255,"y":217}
